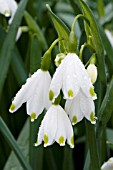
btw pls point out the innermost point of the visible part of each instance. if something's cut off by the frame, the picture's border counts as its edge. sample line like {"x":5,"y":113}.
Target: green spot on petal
{"x":12,"y":107}
{"x":93,"y":118}
{"x":70,"y":93}
{"x":33,"y":116}
{"x":45,"y":139}
{"x":92,"y":92}
{"x":74,"y":120}
{"x":6,"y":13}
{"x":72,"y":141}
{"x":61,"y":140}
{"x":51,"y":95}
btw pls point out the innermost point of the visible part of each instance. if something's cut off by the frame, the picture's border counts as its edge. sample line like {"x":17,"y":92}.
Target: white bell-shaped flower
{"x":35,"y":93}
{"x":80,"y":107}
{"x":71,"y":76}
{"x":92,"y":72}
{"x":55,"y":126}
{"x":108,"y":165}
{"x":8,"y":8}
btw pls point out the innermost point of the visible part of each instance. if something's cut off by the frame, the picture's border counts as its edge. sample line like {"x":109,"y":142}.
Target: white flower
{"x":92,"y":72}
{"x":35,"y":93}
{"x":109,"y":36}
{"x":8,"y":8}
{"x":71,"y":76}
{"x":80,"y":107}
{"x":108,"y":165}
{"x":55,"y":126}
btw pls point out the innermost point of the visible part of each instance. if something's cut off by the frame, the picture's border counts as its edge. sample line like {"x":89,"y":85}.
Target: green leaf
{"x":11,"y":141}
{"x":8,"y":44}
{"x":35,"y":54}
{"x":94,"y":32}
{"x":61,"y":28}
{"x":18,"y":68}
{"x":106,"y":110}
{"x":107,"y":45}
{"x":91,"y":137}
{"x":33,"y":26}
{"x":23,"y":143}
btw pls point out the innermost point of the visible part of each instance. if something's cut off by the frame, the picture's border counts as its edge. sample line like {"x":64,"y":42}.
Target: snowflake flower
{"x":35,"y":93}
{"x":55,"y":126}
{"x":71,"y":76}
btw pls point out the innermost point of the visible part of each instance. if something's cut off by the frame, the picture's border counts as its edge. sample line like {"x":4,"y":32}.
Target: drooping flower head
{"x":55,"y":126}
{"x":8,"y":8}
{"x":72,"y":77}
{"x":92,"y":72}
{"x":34,"y":93}
{"x":108,"y":165}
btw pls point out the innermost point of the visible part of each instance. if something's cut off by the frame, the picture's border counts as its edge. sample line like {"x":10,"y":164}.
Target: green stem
{"x":11,"y":141}
{"x":82,"y":49}
{"x":75,"y":20}
{"x":91,"y":137}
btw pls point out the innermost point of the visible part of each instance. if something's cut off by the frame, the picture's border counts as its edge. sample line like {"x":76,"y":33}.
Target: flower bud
{"x":59,"y":58}
{"x":92,"y":72}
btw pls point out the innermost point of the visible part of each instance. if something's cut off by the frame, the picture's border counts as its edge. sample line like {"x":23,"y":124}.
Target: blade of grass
{"x":11,"y":141}
{"x":8,"y":44}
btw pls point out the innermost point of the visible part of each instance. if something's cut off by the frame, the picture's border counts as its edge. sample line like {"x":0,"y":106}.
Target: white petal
{"x":84,"y":79}
{"x":87,"y":108}
{"x":72,"y":107}
{"x":50,"y":126}
{"x":108,"y":165}
{"x":4,"y":8}
{"x":19,"y":32}
{"x":69,"y":131}
{"x":13,"y":7}
{"x":70,"y":80}
{"x":92,"y":72}
{"x":60,"y":136}
{"x":56,"y":83}
{"x":25,"y":93}
{"x":40,"y":97}
{"x":46,"y":86}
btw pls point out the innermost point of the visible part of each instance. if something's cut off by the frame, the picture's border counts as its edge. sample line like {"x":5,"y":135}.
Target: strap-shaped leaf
{"x":33,"y":26}
{"x":61,"y":28}
{"x":11,"y":141}
{"x":106,"y":110}
{"x":95,"y":38}
{"x":8,"y":44}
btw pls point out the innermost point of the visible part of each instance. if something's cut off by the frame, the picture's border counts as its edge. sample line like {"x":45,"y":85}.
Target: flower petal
{"x":4,"y":8}
{"x":26,"y":91}
{"x":56,"y":83}
{"x":88,"y":108}
{"x":69,"y":131}
{"x":72,"y":108}
{"x":50,"y":126}
{"x":108,"y":165}
{"x":70,"y":80}
{"x":46,"y":86}
{"x":60,"y":136}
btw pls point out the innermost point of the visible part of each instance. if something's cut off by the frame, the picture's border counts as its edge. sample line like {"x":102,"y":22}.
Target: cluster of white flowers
{"x":41,"y":92}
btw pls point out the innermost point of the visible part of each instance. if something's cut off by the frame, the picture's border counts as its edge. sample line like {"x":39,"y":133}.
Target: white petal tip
{"x":37,"y":144}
